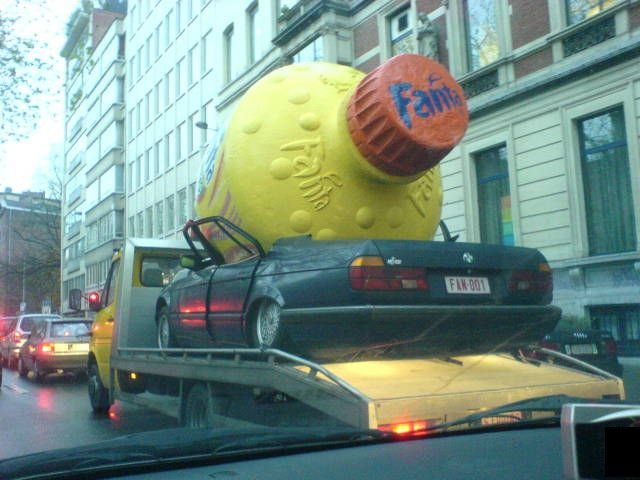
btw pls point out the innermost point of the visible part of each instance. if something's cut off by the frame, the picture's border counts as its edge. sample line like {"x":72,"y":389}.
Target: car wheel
{"x":201,"y":408}
{"x":165,"y":335}
{"x":37,"y":372}
{"x":267,"y":330}
{"x":23,"y":371}
{"x":98,"y":395}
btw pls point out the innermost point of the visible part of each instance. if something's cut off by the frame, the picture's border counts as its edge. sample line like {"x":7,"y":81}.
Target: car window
{"x":70,"y":329}
{"x":157,"y":271}
{"x":26,"y":324}
{"x":110,"y":286}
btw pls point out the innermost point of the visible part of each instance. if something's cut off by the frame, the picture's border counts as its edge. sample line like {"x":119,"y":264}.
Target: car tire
{"x":23,"y":371}
{"x":98,"y":395}
{"x":201,"y":408}
{"x":267,"y":330}
{"x":165,"y":336}
{"x":37,"y":372}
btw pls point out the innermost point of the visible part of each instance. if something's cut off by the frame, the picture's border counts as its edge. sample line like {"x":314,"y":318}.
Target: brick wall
{"x":529,"y":20}
{"x":365,"y":36}
{"x":634,"y":17}
{"x":101,"y":20}
{"x":531,"y":63}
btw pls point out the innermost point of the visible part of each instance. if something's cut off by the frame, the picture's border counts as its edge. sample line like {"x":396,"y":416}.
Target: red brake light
{"x":550,"y":345}
{"x":370,"y":273}
{"x":540,"y":280}
{"x":46,"y":348}
{"x":406,"y":428}
{"x":610,"y":347}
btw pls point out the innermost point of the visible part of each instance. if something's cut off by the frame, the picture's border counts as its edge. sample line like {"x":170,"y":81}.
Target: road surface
{"x":57,"y":414}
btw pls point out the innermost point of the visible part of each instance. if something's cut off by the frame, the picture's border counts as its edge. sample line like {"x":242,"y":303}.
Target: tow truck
{"x":227,"y":387}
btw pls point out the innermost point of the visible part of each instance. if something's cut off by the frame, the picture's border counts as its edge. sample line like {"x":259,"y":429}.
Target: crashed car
{"x":336,"y":297}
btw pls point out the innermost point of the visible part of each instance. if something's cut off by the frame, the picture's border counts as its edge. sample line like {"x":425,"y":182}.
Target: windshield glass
{"x":378,"y":216}
{"x":70,"y":329}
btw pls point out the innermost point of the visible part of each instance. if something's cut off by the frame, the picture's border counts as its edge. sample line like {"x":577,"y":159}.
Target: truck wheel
{"x":266,"y":328}
{"x":98,"y":395}
{"x":200,"y":408}
{"x":165,"y":335}
{"x":23,"y":371}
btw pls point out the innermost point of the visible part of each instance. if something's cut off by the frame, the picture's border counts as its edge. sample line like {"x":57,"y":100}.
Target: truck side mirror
{"x":75,"y":299}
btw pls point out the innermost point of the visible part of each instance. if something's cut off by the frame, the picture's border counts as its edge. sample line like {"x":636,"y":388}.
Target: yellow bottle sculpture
{"x":322,"y":149}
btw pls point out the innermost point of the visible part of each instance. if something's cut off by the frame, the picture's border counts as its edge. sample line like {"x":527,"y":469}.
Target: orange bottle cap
{"x":407,"y":114}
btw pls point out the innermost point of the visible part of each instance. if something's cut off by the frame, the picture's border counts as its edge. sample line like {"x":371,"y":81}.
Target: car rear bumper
{"x":62,"y":362}
{"x":436,"y":330}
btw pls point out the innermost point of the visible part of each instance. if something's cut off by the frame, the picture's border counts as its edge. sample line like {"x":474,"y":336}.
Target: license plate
{"x":582,"y":349}
{"x":467,"y":285}
{"x":70,"y":347}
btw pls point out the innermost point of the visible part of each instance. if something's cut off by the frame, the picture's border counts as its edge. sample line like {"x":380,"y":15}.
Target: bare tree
{"x":27,"y":77}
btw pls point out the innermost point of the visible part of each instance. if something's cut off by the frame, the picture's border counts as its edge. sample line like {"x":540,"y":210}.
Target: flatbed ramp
{"x":371,"y":394}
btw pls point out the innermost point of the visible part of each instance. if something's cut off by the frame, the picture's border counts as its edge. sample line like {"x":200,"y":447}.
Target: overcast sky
{"x":29,"y":166}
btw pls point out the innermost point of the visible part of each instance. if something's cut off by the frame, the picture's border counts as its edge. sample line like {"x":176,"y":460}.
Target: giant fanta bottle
{"x":322,"y":149}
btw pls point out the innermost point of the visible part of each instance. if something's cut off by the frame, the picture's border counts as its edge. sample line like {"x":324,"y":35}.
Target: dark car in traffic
{"x":55,"y":345}
{"x":336,"y":297}
{"x":592,"y":346}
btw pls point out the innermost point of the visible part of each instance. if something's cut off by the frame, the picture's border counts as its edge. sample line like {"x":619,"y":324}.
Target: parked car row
{"x":43,"y":344}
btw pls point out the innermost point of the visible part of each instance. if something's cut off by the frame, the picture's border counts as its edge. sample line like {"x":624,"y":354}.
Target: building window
{"x":159,"y":219}
{"x":481,"y":23}
{"x":156,"y":99}
{"x":179,"y":135}
{"x":606,"y":178}
{"x":180,"y":78}
{"x":156,"y":158}
{"x":312,"y":52}
{"x":227,"y":45}
{"x":204,"y":61}
{"x":578,"y":10}
{"x":178,"y":17}
{"x":400,"y":31}
{"x":167,"y":28}
{"x":252,"y":32}
{"x":182,"y":206}
{"x":171,"y":218}
{"x":140,"y":226}
{"x":191,"y":58}
{"x":494,"y":199}
{"x":139,"y":171}
{"x":148,"y":213}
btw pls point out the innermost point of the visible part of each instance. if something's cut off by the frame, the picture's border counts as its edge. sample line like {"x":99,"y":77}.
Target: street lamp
{"x":203,"y":125}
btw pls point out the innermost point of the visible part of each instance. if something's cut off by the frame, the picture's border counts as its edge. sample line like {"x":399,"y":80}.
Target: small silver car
{"x":55,"y":345}
{"x":11,"y":343}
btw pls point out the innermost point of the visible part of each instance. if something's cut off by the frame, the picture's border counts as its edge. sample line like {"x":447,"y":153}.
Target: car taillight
{"x":611,"y":347}
{"x":540,"y":280}
{"x":46,"y":348}
{"x":407,"y":428}
{"x":550,"y":345}
{"x":370,"y":273}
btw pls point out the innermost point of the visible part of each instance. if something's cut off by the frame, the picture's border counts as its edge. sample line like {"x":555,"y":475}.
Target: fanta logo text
{"x":411,"y":101}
